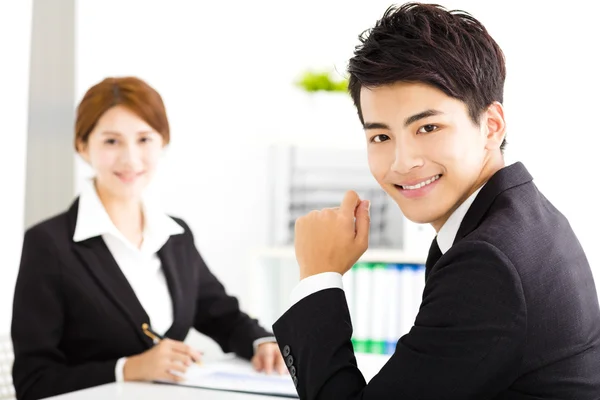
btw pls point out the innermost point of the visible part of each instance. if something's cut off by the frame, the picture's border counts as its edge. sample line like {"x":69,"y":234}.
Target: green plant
{"x":314,"y":81}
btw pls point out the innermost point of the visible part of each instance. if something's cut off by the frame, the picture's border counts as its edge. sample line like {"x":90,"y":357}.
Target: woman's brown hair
{"x":133,"y":93}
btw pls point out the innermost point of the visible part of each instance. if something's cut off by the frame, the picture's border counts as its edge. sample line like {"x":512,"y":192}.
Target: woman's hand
{"x":165,"y":361}
{"x":268,"y":359}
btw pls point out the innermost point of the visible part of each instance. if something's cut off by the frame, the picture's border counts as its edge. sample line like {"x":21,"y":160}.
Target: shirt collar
{"x":158,"y":227}
{"x":448,"y":231}
{"x":93,"y":220}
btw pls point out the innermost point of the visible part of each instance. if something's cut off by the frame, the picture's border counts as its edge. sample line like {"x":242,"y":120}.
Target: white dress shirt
{"x":141,"y":266}
{"x":447,"y":234}
{"x":328,"y":280}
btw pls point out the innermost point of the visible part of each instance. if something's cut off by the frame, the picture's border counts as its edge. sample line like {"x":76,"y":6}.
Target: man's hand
{"x":331,"y":240}
{"x":268,"y":359}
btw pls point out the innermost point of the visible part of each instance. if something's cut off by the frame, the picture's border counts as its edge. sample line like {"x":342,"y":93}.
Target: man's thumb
{"x":363,"y":222}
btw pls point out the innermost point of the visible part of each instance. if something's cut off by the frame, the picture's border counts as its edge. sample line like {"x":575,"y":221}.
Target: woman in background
{"x":92,"y":276}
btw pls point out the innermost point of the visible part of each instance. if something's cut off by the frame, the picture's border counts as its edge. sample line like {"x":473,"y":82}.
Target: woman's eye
{"x":110,"y":141}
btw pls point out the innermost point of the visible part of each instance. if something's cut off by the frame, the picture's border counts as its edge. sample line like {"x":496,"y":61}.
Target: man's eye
{"x":427,"y":128}
{"x":379,"y":138}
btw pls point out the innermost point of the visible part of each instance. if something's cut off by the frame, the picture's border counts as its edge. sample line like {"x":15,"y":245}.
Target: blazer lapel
{"x":170,"y":257}
{"x":102,"y":266}
{"x":97,"y":259}
{"x":434,"y":255}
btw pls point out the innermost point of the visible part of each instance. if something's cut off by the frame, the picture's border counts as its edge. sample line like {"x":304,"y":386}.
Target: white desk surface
{"x":368,"y":364}
{"x":155,"y":391}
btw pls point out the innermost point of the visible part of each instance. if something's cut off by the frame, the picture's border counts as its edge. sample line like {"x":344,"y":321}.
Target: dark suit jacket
{"x":509,"y":312}
{"x":75,"y":314}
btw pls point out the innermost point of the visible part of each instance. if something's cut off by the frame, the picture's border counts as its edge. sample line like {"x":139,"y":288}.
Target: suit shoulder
{"x":473,"y":260}
{"x":518,"y":217}
{"x":472,"y":248}
{"x":55,"y":227}
{"x":44,"y":244}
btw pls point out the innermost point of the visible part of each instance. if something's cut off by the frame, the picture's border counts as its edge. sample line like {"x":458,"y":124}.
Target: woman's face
{"x":124,"y":152}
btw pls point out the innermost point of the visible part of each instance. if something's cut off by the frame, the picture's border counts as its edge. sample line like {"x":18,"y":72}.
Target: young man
{"x":509,"y":309}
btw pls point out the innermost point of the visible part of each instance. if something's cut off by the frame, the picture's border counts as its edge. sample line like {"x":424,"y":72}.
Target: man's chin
{"x":419,"y":215}
{"x":419,"y":219}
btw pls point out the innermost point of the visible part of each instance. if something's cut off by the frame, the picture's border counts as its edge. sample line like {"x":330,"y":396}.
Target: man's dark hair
{"x":426,"y":43}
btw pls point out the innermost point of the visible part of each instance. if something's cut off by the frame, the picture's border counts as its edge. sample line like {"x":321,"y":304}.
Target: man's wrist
{"x":304,"y":274}
{"x":315,"y":283}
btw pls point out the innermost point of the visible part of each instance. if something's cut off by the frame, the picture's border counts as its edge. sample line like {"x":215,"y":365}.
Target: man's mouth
{"x":420,"y":184}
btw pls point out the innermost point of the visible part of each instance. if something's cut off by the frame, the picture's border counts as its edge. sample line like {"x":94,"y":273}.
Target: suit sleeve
{"x":466,"y":342}
{"x":40,"y":367}
{"x":218,"y":314}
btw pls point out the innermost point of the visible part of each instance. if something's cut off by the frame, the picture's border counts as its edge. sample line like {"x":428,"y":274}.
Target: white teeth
{"x":420,"y":185}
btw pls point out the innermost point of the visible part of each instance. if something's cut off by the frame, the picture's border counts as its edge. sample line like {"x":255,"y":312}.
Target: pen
{"x":157,"y":337}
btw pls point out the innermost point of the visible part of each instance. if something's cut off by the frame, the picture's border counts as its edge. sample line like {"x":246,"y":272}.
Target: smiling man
{"x":509,"y":310}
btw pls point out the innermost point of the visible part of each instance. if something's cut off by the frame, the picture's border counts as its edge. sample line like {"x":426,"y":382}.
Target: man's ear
{"x":495,"y":126}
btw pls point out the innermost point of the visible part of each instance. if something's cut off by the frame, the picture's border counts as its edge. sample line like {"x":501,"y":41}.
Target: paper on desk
{"x":239,"y":376}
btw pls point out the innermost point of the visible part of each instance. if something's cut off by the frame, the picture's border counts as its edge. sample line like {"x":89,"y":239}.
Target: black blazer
{"x":509,"y":312}
{"x":75,"y":314}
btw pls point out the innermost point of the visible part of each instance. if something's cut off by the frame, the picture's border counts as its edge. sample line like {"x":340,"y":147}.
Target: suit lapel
{"x":100,"y":263}
{"x":170,"y":257}
{"x":434,"y":255}
{"x":97,"y":259}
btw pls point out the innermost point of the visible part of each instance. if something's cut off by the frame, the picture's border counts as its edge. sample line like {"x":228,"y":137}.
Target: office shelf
{"x":371,"y":255}
{"x":383,"y":293}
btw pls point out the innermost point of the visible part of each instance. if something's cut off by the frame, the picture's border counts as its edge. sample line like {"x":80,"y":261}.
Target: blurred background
{"x":251,"y":150}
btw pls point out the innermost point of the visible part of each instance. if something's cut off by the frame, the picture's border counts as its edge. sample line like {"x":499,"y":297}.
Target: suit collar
{"x":93,"y":220}
{"x":506,"y":178}
{"x":72,"y":216}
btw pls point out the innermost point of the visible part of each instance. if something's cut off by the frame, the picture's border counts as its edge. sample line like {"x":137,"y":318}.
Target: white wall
{"x":15,"y":33}
{"x":552,"y":103}
{"x":225,"y":71}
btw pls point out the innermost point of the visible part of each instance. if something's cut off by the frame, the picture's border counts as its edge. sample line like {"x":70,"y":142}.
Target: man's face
{"x":425,"y":150}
